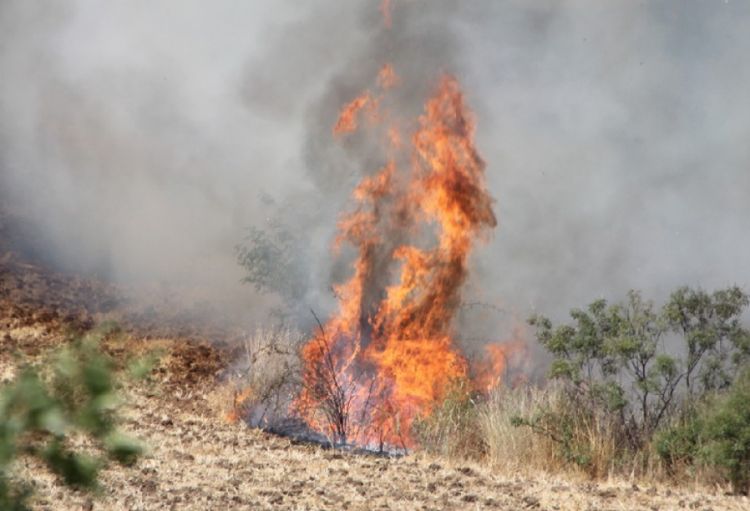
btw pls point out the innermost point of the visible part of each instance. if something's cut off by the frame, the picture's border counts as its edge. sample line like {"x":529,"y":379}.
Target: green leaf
{"x":53,"y":420}
{"x":123,"y":448}
{"x":76,"y":469}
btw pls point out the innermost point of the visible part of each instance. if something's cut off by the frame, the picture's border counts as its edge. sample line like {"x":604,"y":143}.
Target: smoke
{"x":139,"y":137}
{"x":124,"y":138}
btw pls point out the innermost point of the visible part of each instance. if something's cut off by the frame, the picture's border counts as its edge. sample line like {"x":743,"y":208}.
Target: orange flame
{"x":489,"y":373}
{"x":348,"y":117}
{"x":390,"y":346}
{"x":347,"y":121}
{"x":387,"y":77}
{"x":387,"y":355}
{"x":386,"y":9}
{"x":239,"y":403}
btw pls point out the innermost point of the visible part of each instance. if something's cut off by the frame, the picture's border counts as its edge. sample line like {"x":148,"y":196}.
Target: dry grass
{"x":265,"y":379}
{"x":452,"y":429}
{"x":486,"y":430}
{"x":200,"y":462}
{"x":511,"y":448}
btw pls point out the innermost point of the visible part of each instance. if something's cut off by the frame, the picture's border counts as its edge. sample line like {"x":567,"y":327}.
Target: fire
{"x":386,"y":9}
{"x":347,"y":122}
{"x":388,"y":354}
{"x":490,"y":372}
{"x":240,"y":400}
{"x":387,"y":77}
{"x":366,"y":103}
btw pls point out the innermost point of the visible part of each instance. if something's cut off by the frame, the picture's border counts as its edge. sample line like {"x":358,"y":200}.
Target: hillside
{"x":197,"y":460}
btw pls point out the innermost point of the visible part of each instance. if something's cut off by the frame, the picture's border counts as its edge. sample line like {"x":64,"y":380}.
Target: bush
{"x":44,"y":406}
{"x":578,"y":434}
{"x":624,"y":390}
{"x":607,"y":346}
{"x":714,"y":433}
{"x":267,"y":379}
{"x":618,"y":402}
{"x":273,"y":259}
{"x":728,"y":433}
{"x":679,"y":444}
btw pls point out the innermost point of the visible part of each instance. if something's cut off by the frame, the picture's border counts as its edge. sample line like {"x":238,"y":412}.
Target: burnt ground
{"x":197,"y":460}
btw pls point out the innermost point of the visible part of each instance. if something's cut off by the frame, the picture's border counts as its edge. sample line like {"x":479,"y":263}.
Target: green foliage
{"x":607,"y":346}
{"x":273,"y":261}
{"x":715,"y":432}
{"x":679,"y":444}
{"x":40,"y":411}
{"x":728,"y":433}
{"x":716,"y":342}
{"x":615,"y":369}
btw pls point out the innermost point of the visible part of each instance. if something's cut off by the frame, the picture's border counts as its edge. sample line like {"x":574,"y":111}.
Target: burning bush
{"x":268,"y":377}
{"x":388,"y":354}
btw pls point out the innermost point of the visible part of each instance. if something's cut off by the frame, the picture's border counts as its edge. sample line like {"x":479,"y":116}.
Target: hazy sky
{"x":140,"y":135}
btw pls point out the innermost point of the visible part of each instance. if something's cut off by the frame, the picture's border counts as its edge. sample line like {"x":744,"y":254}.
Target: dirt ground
{"x":198,"y":460}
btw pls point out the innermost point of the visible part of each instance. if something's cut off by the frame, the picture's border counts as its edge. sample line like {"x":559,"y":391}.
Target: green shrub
{"x":73,"y":393}
{"x":679,"y":444}
{"x":728,"y":433}
{"x":713,"y":433}
{"x":625,"y":389}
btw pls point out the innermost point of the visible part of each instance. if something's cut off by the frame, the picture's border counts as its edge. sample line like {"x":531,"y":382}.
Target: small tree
{"x":611,"y":360}
{"x":274,"y":262}
{"x":654,"y":375}
{"x":617,"y":371}
{"x":716,"y":342}
{"x":327,"y":389}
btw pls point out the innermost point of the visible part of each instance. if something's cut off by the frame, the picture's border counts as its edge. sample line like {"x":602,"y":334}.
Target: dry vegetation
{"x":486,"y":430}
{"x":196,"y":459}
{"x":199,"y":462}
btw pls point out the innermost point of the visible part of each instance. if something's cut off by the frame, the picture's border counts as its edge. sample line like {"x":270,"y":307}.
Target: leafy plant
{"x":618,"y":374}
{"x":716,"y":342}
{"x":612,"y":362}
{"x":40,"y":411}
{"x":679,"y":444}
{"x":728,"y":433}
{"x":272,"y":259}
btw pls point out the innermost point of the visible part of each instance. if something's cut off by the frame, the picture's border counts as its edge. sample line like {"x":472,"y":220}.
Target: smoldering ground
{"x":139,"y":137}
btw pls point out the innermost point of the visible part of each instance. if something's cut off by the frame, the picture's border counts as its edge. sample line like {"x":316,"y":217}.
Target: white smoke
{"x":139,"y":136}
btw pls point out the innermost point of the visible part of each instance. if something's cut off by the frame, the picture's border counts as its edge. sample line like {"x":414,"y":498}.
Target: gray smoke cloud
{"x":139,"y":136}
